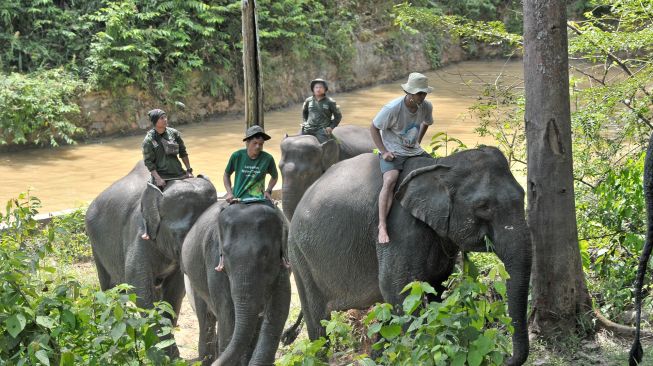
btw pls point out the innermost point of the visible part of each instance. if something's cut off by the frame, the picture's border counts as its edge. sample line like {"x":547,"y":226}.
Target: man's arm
{"x":337,"y":115}
{"x":378,"y":141}
{"x":226,"y":180}
{"x":268,"y":192}
{"x":422,"y":131}
{"x":149,"y":159}
{"x":305,"y":111}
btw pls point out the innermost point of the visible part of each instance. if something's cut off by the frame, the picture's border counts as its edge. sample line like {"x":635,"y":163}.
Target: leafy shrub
{"x":467,"y":328}
{"x":48,"y":319}
{"x":340,"y":342}
{"x":612,"y":230}
{"x":71,"y":243}
{"x":39,"y":108}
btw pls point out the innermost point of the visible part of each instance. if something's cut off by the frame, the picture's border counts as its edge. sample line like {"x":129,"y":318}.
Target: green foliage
{"x":306,"y":352}
{"x":39,"y":108}
{"x":612,"y":230}
{"x":156,"y":44}
{"x":46,"y":318}
{"x":442,"y":140}
{"x":37,"y":34}
{"x":412,"y":18}
{"x":469,"y":327}
{"x":71,"y":243}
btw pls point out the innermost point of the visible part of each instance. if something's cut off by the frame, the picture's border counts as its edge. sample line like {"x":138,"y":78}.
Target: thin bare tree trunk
{"x":559,"y":294}
{"x":252,"y":66}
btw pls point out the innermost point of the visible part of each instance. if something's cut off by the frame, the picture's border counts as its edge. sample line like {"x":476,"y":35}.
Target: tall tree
{"x":559,"y":293}
{"x":252,"y":66}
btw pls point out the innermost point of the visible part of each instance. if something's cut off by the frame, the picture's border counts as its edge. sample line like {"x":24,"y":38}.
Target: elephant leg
{"x":226,"y":321}
{"x":208,"y":341}
{"x":276,"y":313}
{"x":174,"y":291}
{"x":103,"y":276}
{"x":314,"y":306}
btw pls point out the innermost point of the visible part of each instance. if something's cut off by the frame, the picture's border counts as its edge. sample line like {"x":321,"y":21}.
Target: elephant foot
{"x":220,"y":266}
{"x":145,"y":236}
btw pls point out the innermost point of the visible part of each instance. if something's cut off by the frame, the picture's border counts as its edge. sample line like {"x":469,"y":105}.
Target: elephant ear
{"x":425,"y":195}
{"x":330,"y":153}
{"x":150,"y":200}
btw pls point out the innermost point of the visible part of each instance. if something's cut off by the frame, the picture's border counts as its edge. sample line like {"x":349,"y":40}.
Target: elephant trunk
{"x":514,"y":248}
{"x":247,"y":309}
{"x":290,"y":198}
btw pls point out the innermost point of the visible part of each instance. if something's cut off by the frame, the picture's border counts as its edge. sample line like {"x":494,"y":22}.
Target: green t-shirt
{"x":250,"y":173}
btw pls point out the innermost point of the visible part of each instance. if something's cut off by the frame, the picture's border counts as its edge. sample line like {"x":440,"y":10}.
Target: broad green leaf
{"x":15,"y":324}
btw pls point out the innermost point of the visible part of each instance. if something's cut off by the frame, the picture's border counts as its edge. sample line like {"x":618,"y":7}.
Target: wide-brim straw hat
{"x":256,"y":130}
{"x":417,"y":83}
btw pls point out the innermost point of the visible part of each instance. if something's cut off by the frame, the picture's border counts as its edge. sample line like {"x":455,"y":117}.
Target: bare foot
{"x":145,"y":236}
{"x":383,"y":235}
{"x":220,"y":266}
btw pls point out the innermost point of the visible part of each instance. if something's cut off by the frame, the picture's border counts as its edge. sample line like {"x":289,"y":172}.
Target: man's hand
{"x":388,"y":156}
{"x":159,"y":182}
{"x":267,"y":195}
{"x":229,"y":197}
{"x":189,"y":174}
{"x":328,"y":130}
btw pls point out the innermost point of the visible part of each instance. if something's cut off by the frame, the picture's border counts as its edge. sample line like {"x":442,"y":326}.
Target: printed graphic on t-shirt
{"x":409,"y":135}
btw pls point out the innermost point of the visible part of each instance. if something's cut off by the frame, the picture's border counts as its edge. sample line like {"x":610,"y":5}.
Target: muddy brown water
{"x":72,"y":176}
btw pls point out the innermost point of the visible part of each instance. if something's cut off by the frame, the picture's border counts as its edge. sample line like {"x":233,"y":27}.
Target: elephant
{"x":304,"y":159}
{"x":636,"y":352}
{"x":441,"y":206}
{"x":115,"y":222}
{"x":250,"y":296}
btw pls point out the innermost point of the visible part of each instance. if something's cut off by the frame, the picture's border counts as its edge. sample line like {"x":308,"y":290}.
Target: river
{"x":71,"y":176}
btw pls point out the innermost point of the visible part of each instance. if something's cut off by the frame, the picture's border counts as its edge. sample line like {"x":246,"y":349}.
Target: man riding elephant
{"x":161,"y":146}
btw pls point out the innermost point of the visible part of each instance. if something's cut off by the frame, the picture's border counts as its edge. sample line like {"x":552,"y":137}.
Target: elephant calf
{"x":250,"y":297}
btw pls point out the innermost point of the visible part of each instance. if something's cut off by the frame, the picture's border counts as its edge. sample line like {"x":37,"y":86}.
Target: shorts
{"x":397,"y":163}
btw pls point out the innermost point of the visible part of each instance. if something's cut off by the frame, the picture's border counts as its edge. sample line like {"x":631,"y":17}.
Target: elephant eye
{"x":483,"y":211}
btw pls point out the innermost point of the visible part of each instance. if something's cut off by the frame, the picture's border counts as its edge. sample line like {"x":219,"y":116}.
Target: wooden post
{"x":252,"y":66}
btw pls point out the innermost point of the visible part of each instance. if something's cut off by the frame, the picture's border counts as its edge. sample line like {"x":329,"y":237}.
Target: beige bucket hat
{"x":417,"y":83}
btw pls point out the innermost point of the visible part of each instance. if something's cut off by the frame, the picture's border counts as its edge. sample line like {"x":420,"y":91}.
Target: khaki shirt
{"x":320,"y":114}
{"x":155,"y":158}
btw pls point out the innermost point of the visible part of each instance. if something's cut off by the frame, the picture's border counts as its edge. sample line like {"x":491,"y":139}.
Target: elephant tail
{"x":289,"y":335}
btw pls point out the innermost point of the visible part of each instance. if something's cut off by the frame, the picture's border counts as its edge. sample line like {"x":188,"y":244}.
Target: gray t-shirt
{"x":400,"y":128}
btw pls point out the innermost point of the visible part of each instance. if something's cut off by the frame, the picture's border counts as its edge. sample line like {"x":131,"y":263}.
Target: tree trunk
{"x":252,"y":66}
{"x":559,"y":294}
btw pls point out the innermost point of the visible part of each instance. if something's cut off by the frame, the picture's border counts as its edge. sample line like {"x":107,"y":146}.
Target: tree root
{"x":617,"y":329}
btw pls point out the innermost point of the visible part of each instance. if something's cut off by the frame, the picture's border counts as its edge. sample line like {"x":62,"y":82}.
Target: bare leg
{"x":385,"y":203}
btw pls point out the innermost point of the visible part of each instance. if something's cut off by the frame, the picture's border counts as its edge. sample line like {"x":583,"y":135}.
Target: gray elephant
{"x":443,"y":206}
{"x":304,"y":159}
{"x":114,"y":224}
{"x":250,"y":297}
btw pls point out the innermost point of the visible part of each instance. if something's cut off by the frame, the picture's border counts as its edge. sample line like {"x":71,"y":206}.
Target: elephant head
{"x":303,"y":160}
{"x":468,"y":197}
{"x":170,"y":214}
{"x":252,"y":238}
